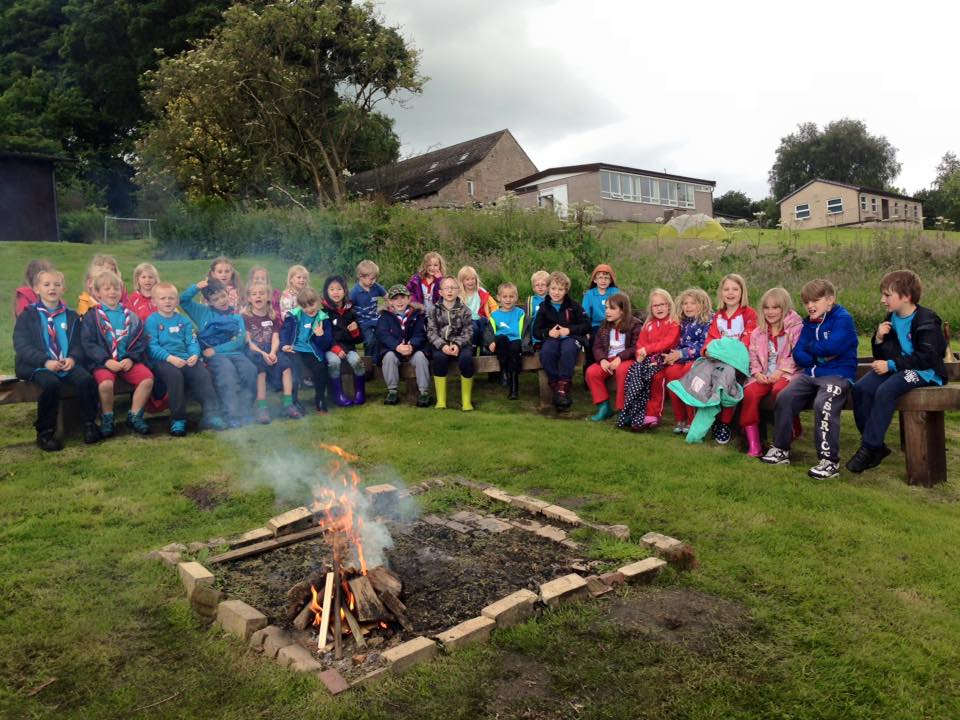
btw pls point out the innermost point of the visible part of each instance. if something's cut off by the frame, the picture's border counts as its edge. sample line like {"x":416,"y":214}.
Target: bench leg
{"x":925,"y":447}
{"x":546,"y":394}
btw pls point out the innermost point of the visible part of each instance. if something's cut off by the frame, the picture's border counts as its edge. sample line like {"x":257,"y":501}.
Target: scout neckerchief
{"x":110,"y":333}
{"x":403,"y":321}
{"x":50,"y":317}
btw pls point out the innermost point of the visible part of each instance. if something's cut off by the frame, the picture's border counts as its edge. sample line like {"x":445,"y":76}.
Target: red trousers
{"x":597,"y":379}
{"x":681,"y":413}
{"x":753,"y":394}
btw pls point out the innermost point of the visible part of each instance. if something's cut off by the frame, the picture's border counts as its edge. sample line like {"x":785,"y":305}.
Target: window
{"x":471,"y":188}
{"x":802,"y":211}
{"x":873,"y":204}
{"x":916,"y":212}
{"x":638,"y":188}
{"x":896,"y":208}
{"x":834,"y":206}
{"x":863,"y":202}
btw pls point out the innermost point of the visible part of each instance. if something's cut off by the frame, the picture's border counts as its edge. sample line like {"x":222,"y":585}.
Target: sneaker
{"x":91,"y":433}
{"x":824,"y":470}
{"x":234,"y":423}
{"x":263,"y":416}
{"x":776,"y":456}
{"x":423,"y":400}
{"x":178,"y":428}
{"x":721,"y":433}
{"x":292,"y":412}
{"x":650,"y":422}
{"x":686,"y":428}
{"x":215,"y":422}
{"x":865,"y":459}
{"x":107,"y":428}
{"x":136,"y":423}
{"x":49,"y":443}
{"x":392,"y":398}
{"x":321,"y":407}
{"x":679,"y":429}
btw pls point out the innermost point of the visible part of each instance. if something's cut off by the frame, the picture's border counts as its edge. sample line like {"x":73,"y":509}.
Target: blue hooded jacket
{"x":828,"y":347}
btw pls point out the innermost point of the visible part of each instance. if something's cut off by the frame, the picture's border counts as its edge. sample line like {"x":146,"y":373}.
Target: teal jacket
{"x":712,"y":383}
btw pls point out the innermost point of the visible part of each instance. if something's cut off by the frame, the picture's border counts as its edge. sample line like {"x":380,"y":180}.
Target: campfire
{"x":346,"y":599}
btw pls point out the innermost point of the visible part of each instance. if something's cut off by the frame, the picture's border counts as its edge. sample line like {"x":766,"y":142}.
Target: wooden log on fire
{"x":368,"y":605}
{"x":304,"y":618}
{"x":382,"y":579}
{"x":355,"y":629}
{"x":327,"y":607}
{"x":398,"y":609}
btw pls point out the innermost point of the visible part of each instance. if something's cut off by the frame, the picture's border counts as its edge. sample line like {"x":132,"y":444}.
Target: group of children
{"x":229,"y":350}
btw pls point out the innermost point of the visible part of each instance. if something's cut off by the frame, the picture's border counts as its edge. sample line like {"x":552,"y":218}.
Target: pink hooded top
{"x":759,"y":347}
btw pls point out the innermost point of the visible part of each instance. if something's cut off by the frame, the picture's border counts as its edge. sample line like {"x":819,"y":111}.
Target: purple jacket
{"x":692,"y":336}
{"x":416,"y":290}
{"x":601,"y":345}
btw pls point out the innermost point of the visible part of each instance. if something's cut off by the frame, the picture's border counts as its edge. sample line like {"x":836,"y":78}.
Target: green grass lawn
{"x":850,"y":585}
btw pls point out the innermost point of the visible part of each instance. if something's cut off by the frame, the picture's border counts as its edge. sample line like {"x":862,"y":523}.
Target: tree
{"x":281,"y":96}
{"x":942,"y":199}
{"x":734,"y":203}
{"x":843,"y":151}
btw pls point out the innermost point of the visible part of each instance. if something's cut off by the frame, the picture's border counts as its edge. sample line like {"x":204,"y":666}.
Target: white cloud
{"x":701,"y":88}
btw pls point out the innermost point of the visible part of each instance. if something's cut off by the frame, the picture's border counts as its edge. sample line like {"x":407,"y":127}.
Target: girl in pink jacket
{"x":771,"y":361}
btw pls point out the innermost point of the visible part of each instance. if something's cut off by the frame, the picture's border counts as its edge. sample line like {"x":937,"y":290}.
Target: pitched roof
{"x":858,"y":188}
{"x":595,"y":167}
{"x":424,"y":174}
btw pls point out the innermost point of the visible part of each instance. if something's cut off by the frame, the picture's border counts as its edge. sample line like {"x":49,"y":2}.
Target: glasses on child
{"x":660,"y":305}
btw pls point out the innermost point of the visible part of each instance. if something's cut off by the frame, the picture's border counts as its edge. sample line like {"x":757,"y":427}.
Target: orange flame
{"x":336,"y":450}
{"x":315,"y":606}
{"x":335,"y":505}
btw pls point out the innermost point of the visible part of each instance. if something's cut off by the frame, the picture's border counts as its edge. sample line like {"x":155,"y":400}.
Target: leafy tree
{"x":734,"y":203}
{"x":942,"y":199}
{"x":284,"y":96}
{"x":843,"y":151}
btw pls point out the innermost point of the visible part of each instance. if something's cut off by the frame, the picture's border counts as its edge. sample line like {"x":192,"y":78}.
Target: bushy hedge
{"x":503,"y":243}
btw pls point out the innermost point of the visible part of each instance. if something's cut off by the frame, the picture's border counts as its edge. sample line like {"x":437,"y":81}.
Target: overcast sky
{"x":704,"y":89}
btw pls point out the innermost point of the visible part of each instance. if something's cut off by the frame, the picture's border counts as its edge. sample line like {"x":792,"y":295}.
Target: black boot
{"x":48,"y":442}
{"x":514,"y":380}
{"x":91,"y":433}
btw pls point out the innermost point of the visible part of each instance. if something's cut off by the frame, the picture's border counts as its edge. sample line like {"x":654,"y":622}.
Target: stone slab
{"x":382,"y":496}
{"x":406,"y":655}
{"x":291,"y":521}
{"x":275,"y":641}
{"x":258,"y":638}
{"x":512,"y":609}
{"x":193,"y":575}
{"x":531,"y":505}
{"x":238,"y":618}
{"x":166,"y":557}
{"x":643,"y":570}
{"x":465,"y":516}
{"x":597,"y":587}
{"x":660,"y":542}
{"x":552,"y":533}
{"x":297,"y":657}
{"x":493,"y":525}
{"x":470,"y":631}
{"x":333,"y":681}
{"x":555,"y":512}
{"x":563,"y":590}
{"x":498,"y":495}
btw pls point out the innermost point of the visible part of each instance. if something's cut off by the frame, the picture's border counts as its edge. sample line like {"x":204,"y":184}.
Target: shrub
{"x":81,"y":226}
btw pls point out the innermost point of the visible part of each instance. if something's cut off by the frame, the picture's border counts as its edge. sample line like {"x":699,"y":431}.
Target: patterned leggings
{"x":637,"y":392}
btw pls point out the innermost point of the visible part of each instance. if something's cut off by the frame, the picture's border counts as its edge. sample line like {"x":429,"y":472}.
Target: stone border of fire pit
{"x":243,"y":621}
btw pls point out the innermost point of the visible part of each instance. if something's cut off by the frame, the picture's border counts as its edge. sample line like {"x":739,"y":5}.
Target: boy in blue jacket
{"x":174,"y":354}
{"x":307,"y":335}
{"x":402,"y":337}
{"x":909,"y":348}
{"x":223,"y":339}
{"x":827,"y":354}
{"x":46,"y":340}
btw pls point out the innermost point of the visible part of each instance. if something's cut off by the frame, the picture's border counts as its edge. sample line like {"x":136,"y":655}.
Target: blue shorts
{"x":274,"y":372}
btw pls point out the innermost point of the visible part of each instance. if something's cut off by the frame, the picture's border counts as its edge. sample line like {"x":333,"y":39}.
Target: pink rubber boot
{"x":753,"y":440}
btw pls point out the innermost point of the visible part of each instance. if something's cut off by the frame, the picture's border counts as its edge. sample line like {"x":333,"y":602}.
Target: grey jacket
{"x":711,"y":382}
{"x":449,"y":326}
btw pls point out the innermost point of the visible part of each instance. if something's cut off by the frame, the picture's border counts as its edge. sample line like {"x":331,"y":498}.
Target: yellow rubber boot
{"x":441,"y":383}
{"x":466,"y":393}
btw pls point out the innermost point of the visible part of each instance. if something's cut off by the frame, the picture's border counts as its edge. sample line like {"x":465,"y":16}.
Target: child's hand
{"x":492,"y":347}
{"x":564,"y":331}
{"x":880,"y":367}
{"x":761,"y":378}
{"x":53,"y":365}
{"x":202,"y":284}
{"x":192,"y":360}
{"x":68,"y":364}
{"x":404,"y":348}
{"x":318,"y":329}
{"x":112,"y":365}
{"x":641,"y":353}
{"x":452,"y":350}
{"x":287,"y":348}
{"x":353,"y":327}
{"x":773,"y":377}
{"x":175,"y":361}
{"x":605,"y":365}
{"x":209,"y":353}
{"x":882,"y":331}
{"x":612,"y":365}
{"x":554,"y":332}
{"x":671,"y":357}
{"x":342,"y":355}
{"x":126,"y":364}
{"x":272,"y":358}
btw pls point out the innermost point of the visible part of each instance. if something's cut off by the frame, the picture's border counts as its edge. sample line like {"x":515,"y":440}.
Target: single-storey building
{"x":28,"y":197}
{"x":468,"y":173}
{"x":825,"y":203}
{"x":622,"y":193}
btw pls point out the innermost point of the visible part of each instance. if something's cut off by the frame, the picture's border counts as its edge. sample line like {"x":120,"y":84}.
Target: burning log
{"x":398,"y":609}
{"x":368,"y":605}
{"x":304,"y":618}
{"x":355,"y":629}
{"x":326,"y":606}
{"x":384,"y":580}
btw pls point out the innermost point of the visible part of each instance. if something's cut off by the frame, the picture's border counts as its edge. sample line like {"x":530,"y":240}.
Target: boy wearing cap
{"x":402,"y":337}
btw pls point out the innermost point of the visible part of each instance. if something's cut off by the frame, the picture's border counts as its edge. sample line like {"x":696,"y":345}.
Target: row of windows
{"x":638,"y":188}
{"x":835,"y":207}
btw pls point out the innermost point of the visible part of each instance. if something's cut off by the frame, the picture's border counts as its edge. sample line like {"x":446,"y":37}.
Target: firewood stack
{"x":367,"y":603}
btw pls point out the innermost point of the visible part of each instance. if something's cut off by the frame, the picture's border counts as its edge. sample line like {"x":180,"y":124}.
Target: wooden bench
{"x":923,"y":437}
{"x":481,"y":364}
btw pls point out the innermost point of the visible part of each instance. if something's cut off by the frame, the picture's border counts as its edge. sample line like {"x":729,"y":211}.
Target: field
{"x":835,"y":599}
